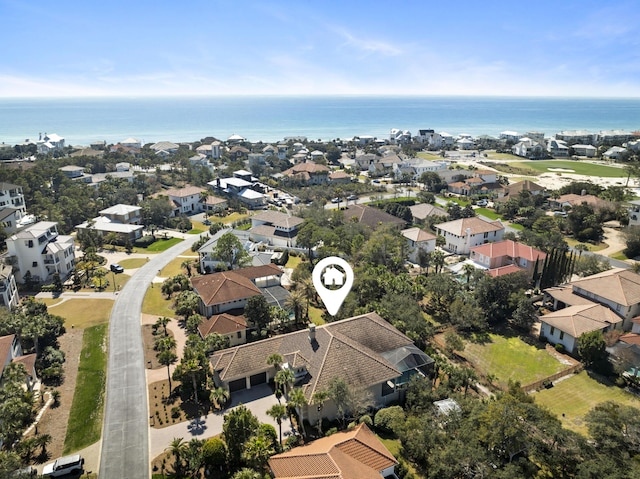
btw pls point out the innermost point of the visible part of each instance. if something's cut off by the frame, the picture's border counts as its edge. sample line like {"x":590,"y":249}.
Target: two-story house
{"x":11,"y":196}
{"x":41,"y":251}
{"x":418,"y":239}
{"x":122,"y":220}
{"x":308,"y":173}
{"x":275,"y":228}
{"x":495,"y":256}
{"x":463,"y":234}
{"x":187,"y":200}
{"x":49,"y":143}
{"x":8,"y":289}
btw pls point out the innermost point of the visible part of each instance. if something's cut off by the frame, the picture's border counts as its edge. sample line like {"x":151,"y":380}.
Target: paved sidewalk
{"x":258,"y":399}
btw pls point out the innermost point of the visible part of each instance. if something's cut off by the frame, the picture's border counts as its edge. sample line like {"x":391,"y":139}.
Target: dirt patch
{"x":169,"y":410}
{"x":54,"y":421}
{"x":148,"y":340}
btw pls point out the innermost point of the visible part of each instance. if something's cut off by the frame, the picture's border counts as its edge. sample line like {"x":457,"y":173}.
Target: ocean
{"x":271,"y":118}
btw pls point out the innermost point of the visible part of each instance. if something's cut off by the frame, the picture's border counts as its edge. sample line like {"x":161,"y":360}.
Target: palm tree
{"x":163,"y":322}
{"x":296,"y":302}
{"x":275,"y":360}
{"x":220,"y":396}
{"x":246,"y":473}
{"x":168,"y":358}
{"x":177,"y":447}
{"x":191,"y":367}
{"x":297,"y":399}
{"x":319,"y":397}
{"x":468,"y":270}
{"x":43,"y":440}
{"x":186,"y":264}
{"x":278,"y":412}
{"x":284,"y":378}
{"x":437,"y":259}
{"x":308,"y":291}
{"x":257,"y":451}
{"x":165,"y":343}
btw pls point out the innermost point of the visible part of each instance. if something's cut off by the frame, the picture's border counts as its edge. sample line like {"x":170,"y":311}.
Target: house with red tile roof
{"x":308,"y":173}
{"x":354,"y":454}
{"x":507,"y":256}
{"x":11,"y":351}
{"x":228,"y":325}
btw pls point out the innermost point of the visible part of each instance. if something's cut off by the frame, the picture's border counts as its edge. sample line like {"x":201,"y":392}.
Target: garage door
{"x":258,"y":379}
{"x":237,"y":385}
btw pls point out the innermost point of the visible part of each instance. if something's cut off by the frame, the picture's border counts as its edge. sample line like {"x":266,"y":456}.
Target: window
{"x":552,"y":331}
{"x":239,"y":334}
{"x":561,"y":335}
{"x":34,"y":264}
{"x":486,"y":235}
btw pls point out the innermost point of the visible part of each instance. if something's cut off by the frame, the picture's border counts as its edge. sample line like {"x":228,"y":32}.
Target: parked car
{"x":483,"y":202}
{"x":337,"y":199}
{"x":352,"y":197}
{"x":116,"y":268}
{"x":64,"y":465}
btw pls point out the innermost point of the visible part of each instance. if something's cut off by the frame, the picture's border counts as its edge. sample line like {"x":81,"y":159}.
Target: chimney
{"x":312,"y":333}
{"x":583,"y":193}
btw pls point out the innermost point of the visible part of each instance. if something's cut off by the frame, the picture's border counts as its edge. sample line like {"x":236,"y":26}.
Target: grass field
{"x":83,"y":312}
{"x":315,"y":316}
{"x":577,"y":395}
{"x":293,"y":261}
{"x":197,"y":231}
{"x":488,"y":213}
{"x":154,"y":303}
{"x":85,"y":418}
{"x":133,"y":263}
{"x":619,"y":256}
{"x":453,"y":199}
{"x":174,"y":268}
{"x":511,"y":358}
{"x":50,"y":301}
{"x":162,"y":245}
{"x":578,"y":167}
{"x":591,"y":247}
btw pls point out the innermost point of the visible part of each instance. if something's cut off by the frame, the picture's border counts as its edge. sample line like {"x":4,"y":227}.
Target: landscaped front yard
{"x":155,"y":303}
{"x":83,"y":312}
{"x":572,"y":398}
{"x":511,"y":358}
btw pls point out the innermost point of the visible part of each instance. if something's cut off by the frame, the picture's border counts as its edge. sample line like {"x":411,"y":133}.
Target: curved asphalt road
{"x":125,"y":434}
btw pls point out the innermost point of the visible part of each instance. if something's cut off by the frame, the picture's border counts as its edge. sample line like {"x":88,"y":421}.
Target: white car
{"x":483,"y":202}
{"x":63,"y":466}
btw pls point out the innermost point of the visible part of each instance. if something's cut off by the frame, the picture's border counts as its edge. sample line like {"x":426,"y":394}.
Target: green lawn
{"x":196,"y":231}
{"x":163,"y":245}
{"x":174,"y":268}
{"x":516,"y":226}
{"x":83,"y":312}
{"x":315,"y":316}
{"x":85,"y":419}
{"x":293,"y":261}
{"x":591,"y":247}
{"x":619,"y":256}
{"x":488,"y":213}
{"x":577,"y":395}
{"x":154,"y":303}
{"x":578,"y":167}
{"x":511,"y":358}
{"x":133,"y":263}
{"x":454,"y":199}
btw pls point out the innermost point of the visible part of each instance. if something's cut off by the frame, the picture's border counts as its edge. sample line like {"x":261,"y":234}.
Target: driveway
{"x":258,"y":400}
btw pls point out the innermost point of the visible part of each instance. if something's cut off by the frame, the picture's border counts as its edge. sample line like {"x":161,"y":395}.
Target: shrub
{"x":331,"y":431}
{"x":560,"y":347}
{"x":366,"y":419}
{"x":388,"y":419}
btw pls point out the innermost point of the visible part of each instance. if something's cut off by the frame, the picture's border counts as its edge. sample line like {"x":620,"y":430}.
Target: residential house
{"x":308,"y":173}
{"x":339,"y":177}
{"x":372,"y":217}
{"x":422,"y":211}
{"x":498,"y":255}
{"x":49,"y":143}
{"x":476,"y":182}
{"x":229,"y":290}
{"x":614,"y":153}
{"x":122,"y":220}
{"x":365,"y":351}
{"x":528,"y":148}
{"x":41,"y":251}
{"x":573,"y":137}
{"x":514,"y":189}
{"x":235,"y":139}
{"x":567,"y":325}
{"x":354,"y":454}
{"x":465,"y":144}
{"x":618,"y":289}
{"x":10,"y":219}
{"x":11,"y":196}
{"x":275,"y":228}
{"x":570,"y":200}
{"x":557,"y":148}
{"x":634,"y":213}
{"x":123,"y":166}
{"x":463,"y":234}
{"x":187,"y":200}
{"x":164,"y":149}
{"x":72,"y":171}
{"x":131,"y":143}
{"x":588,"y":151}
{"x":9,"y":297}
{"x":417,"y":166}
{"x":11,"y":352}
{"x":399,"y":137}
{"x":214,"y":204}
{"x":418,"y":239}
{"x":227,"y":325}
{"x":512,"y":136}
{"x":613,"y":137}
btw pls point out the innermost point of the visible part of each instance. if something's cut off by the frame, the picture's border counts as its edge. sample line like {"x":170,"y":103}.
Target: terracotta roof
{"x":423,"y":210}
{"x":577,"y":320}
{"x":418,"y":235}
{"x":503,"y":270}
{"x":5,"y":350}
{"x":355,"y":454}
{"x":591,"y":200}
{"x":566,"y":295}
{"x":222,"y":324}
{"x":371,"y":216}
{"x":339,"y":175}
{"x":525,"y":185}
{"x":631,"y":338}
{"x":263,"y":271}
{"x":214,"y":200}
{"x":351,"y":349}
{"x":182,"y":192}
{"x":29,"y":362}
{"x":621,"y":286}
{"x":223,"y":287}
{"x":475,"y":225}
{"x":509,"y":248}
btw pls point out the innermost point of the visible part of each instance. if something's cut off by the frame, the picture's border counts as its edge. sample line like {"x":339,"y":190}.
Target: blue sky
{"x":305,"y":47}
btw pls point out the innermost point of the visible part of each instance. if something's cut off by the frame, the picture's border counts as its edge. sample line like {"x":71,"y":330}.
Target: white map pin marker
{"x":326,"y":274}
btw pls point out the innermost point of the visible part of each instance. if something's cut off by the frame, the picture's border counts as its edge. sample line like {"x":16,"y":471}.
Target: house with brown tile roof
{"x":228,"y":290}
{"x":507,"y":253}
{"x":372,"y":217}
{"x":567,"y":325}
{"x":571,"y":200}
{"x":463,"y":234}
{"x":366,"y":351}
{"x":275,"y":228}
{"x":225,"y":324}
{"x":422,"y":211}
{"x":514,"y":189}
{"x":418,"y":239}
{"x":339,"y":177}
{"x":11,"y":351}
{"x":355,"y":454}
{"x":308,"y":173}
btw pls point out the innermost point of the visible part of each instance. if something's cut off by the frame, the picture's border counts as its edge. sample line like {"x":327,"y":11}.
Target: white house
{"x":557,"y":148}
{"x":131,"y":143}
{"x":464,"y":233}
{"x":567,"y":325}
{"x":528,"y":148}
{"x":11,"y":196}
{"x":585,"y":150}
{"x":187,"y":200}
{"x":418,"y":239}
{"x":572,"y":137}
{"x":41,"y":251}
{"x":634,"y":213}
{"x":8,"y":289}
{"x":275,"y":228}
{"x":49,"y":143}
{"x":510,"y":136}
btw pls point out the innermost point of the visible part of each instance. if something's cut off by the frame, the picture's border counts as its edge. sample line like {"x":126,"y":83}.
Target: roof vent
{"x":312,"y":333}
